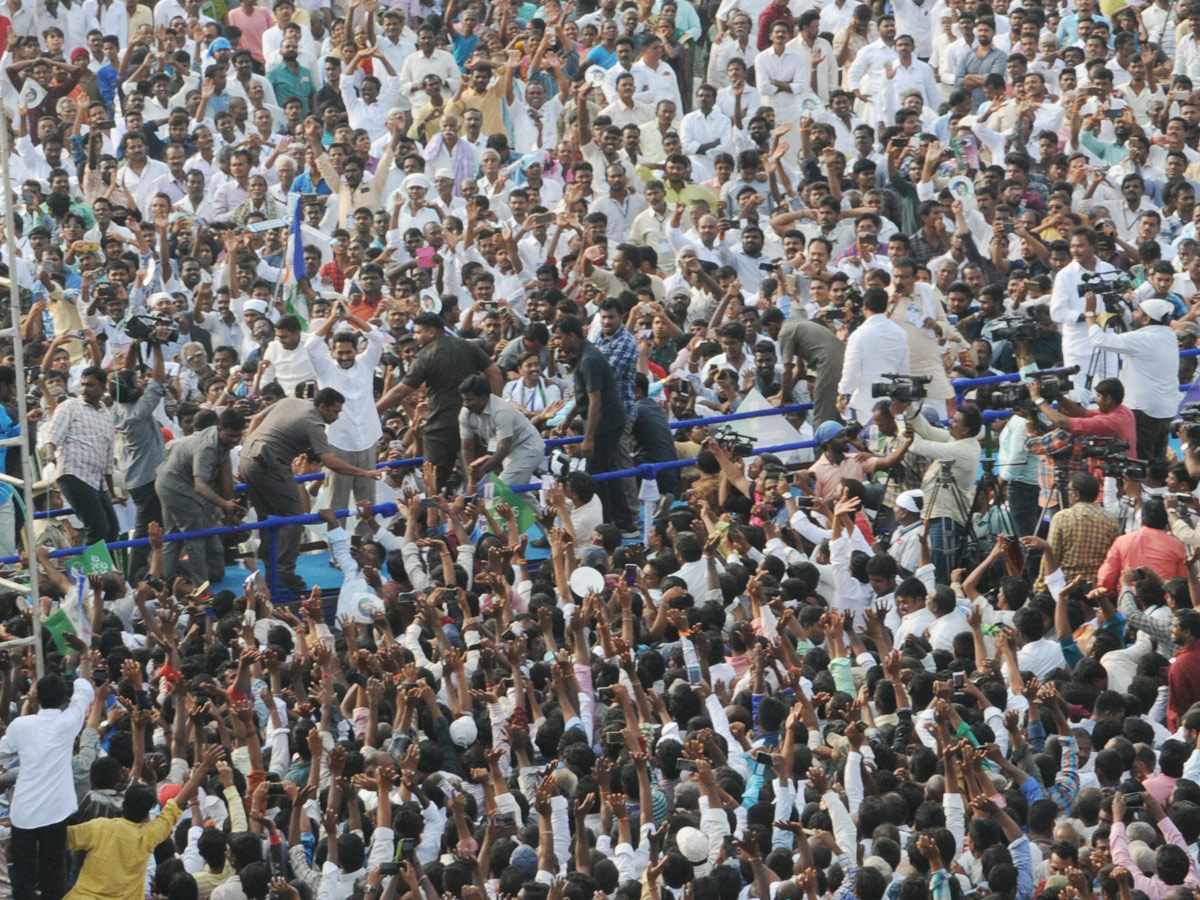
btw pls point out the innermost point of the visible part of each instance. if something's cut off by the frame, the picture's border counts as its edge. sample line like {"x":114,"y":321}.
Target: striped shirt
{"x":83,"y":435}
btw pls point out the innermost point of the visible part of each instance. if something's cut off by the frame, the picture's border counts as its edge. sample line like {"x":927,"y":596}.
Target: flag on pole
{"x":295,"y":270}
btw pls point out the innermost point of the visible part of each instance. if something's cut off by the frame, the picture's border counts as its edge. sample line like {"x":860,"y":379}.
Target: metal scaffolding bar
{"x":14,"y":302}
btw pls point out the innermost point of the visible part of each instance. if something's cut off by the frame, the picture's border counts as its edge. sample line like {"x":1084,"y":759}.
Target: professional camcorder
{"x":152,"y":329}
{"x":1187,"y":426}
{"x":1053,"y":385}
{"x":735,"y":443}
{"x":903,"y":388}
{"x":1105,"y":284}
{"x":1018,"y":329}
{"x":1114,"y":458}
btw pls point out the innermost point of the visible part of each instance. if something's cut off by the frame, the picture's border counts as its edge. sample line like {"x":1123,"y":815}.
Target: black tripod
{"x":948,"y":539}
{"x":1115,"y":323}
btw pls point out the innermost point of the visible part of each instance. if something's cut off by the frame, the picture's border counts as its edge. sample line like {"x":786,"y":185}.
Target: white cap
{"x":692,"y":844}
{"x":463,"y":731}
{"x":416,"y":180}
{"x":443,"y":173}
{"x":908,"y":500}
{"x":258,"y":306}
{"x":1157,"y":308}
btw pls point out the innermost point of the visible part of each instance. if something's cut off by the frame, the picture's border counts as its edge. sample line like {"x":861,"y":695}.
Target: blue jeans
{"x":946,"y":541}
{"x":1024,"y":506}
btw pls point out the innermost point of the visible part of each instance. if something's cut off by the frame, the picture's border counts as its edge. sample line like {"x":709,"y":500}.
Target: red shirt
{"x":1158,"y":550}
{"x":772,"y":14}
{"x":1183,"y":683}
{"x":333,"y":272}
{"x":1119,"y":423}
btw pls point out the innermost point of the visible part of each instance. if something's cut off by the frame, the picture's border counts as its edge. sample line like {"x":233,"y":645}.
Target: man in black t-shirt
{"x":441,"y":365}
{"x":598,"y":403}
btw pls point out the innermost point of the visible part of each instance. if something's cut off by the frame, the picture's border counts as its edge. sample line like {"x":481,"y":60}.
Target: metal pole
{"x":273,"y":557}
{"x":14,"y":301}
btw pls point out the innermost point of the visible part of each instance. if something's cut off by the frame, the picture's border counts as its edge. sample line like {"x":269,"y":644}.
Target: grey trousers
{"x":342,"y":485}
{"x":274,"y":492}
{"x":197,"y":559}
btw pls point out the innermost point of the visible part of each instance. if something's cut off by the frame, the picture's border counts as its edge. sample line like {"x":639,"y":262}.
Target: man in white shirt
{"x":369,"y":108}
{"x":138,"y":172}
{"x":357,"y":430}
{"x":272,"y":38}
{"x":737,"y":44}
{"x":1035,"y":652}
{"x":286,"y":359}
{"x":908,"y":72}
{"x":1067,"y":308}
{"x":780,"y":75}
{"x":44,"y":798}
{"x":1149,"y":369}
{"x":428,"y":60}
{"x":625,"y":109}
{"x":661,"y":82}
{"x":872,"y":61}
{"x":877,"y":346}
{"x":705,"y":132}
{"x":815,"y":53}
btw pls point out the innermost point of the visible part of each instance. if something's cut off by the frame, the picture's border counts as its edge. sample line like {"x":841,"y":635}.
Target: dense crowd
{"x":943,"y":644}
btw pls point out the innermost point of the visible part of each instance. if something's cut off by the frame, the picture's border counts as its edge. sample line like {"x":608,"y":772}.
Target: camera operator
{"x":1110,"y":418}
{"x":947,"y":506}
{"x":1067,"y":308}
{"x":141,"y":447}
{"x":1151,"y":370}
{"x":840,"y":458}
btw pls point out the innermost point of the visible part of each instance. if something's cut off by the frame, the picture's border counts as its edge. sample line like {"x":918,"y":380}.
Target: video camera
{"x":1105,"y":283}
{"x":1111,"y":288}
{"x":1187,"y":426}
{"x":1053,"y":385}
{"x":738,"y":444}
{"x":1114,"y":458}
{"x":1018,"y":329}
{"x":152,"y":329}
{"x":902,"y":388}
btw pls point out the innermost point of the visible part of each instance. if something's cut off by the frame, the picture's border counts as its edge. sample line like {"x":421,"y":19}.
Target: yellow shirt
{"x":488,"y":103}
{"x":118,"y":854}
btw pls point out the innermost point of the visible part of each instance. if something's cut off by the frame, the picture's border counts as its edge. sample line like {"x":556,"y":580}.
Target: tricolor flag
{"x":295,"y":270}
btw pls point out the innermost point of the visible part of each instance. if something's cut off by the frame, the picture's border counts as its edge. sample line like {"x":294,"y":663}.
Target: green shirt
{"x":288,"y":84}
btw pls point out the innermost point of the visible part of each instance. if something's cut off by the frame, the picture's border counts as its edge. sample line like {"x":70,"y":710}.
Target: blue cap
{"x":827,"y":431}
{"x":219,"y":44}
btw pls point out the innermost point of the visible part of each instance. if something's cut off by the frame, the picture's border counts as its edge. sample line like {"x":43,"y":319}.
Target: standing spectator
{"x":947,"y":505}
{"x":440,"y":366}
{"x":193,"y":484}
{"x":486,"y":420}
{"x":79,"y":441}
{"x":1150,"y":369}
{"x":285,"y":430}
{"x":876,"y":347}
{"x":598,"y":401}
{"x":1151,"y":546}
{"x":286,"y":361}
{"x":119,"y":849}
{"x":142,"y":445}
{"x":339,"y":365}
{"x":1081,"y":534}
{"x":45,"y":794}
{"x":1183,"y":677}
